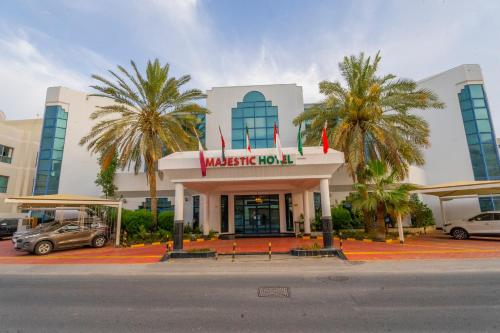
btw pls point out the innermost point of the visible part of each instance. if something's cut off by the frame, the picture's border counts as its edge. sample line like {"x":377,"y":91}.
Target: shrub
{"x":132,"y":221}
{"x":166,"y":221}
{"x":212,"y":234}
{"x":187,"y":229}
{"x":341,"y":218}
{"x":316,"y":223}
{"x":421,"y":214}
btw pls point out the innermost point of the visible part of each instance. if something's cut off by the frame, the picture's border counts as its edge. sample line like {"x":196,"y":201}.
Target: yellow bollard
{"x":270,"y":251}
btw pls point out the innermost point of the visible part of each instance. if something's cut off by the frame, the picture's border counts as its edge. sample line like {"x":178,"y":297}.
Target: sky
{"x":238,"y":42}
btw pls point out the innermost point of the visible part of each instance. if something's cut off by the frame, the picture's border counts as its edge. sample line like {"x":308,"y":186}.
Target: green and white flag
{"x":299,"y":140}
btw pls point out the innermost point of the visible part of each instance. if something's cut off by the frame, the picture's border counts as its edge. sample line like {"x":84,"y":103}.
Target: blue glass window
{"x":259,"y":116}
{"x":480,"y":139}
{"x":4,"y":181}
{"x":51,"y":151}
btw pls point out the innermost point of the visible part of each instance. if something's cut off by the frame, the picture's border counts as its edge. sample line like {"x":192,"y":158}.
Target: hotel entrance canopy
{"x":233,"y":188}
{"x":252,"y":171}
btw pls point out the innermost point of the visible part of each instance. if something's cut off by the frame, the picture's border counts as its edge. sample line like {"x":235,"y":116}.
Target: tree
{"x":381,"y":195}
{"x":369,"y":118}
{"x":150,"y":117}
{"x":421,"y":214}
{"x":106,"y":176}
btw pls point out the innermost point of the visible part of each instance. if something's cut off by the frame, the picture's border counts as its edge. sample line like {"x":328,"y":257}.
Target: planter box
{"x":318,"y":253}
{"x":188,"y":255}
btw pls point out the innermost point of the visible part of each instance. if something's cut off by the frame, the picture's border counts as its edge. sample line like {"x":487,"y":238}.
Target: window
{"x":51,"y":150}
{"x":163,"y":205}
{"x":289,"y":212}
{"x":70,"y":228}
{"x":480,"y":138}
{"x":483,"y":217}
{"x":259,"y":116}
{"x":196,"y":211}
{"x":6,"y":154}
{"x":224,"y":213}
{"x":4,"y":180}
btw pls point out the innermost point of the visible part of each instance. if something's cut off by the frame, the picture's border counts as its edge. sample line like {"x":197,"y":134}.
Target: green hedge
{"x":166,"y":221}
{"x":132,"y":220}
{"x":138,"y":225}
{"x":341,"y":218}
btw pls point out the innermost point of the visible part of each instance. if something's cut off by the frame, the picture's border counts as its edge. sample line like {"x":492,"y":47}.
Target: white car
{"x":484,"y":224}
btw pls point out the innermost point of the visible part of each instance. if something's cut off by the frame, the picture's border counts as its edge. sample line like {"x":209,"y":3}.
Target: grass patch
{"x":204,"y":250}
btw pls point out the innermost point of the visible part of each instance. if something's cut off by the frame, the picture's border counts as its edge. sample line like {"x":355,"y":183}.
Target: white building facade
{"x":267,"y":198}
{"x":19,"y":144}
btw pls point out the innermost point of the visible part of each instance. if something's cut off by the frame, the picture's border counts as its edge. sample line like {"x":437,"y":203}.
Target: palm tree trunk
{"x":360,"y":175}
{"x":380,"y":231}
{"x":153,"y":194}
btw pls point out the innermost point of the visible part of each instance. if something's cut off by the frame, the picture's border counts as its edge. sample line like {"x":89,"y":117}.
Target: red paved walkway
{"x":430,"y":247}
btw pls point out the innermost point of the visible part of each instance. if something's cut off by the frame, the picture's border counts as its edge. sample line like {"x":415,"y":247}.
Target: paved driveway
{"x":430,"y":247}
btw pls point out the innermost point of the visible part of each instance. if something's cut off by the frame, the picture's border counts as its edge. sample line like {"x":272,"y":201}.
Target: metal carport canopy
{"x":460,"y":189}
{"x":60,"y":200}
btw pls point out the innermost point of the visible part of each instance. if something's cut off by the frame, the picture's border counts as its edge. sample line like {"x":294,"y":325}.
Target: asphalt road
{"x":334,"y":302}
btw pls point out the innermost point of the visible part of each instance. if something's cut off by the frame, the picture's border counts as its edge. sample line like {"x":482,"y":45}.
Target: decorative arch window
{"x":259,"y":116}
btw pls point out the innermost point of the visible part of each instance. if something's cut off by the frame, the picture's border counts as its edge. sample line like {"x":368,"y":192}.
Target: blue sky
{"x":237,"y":42}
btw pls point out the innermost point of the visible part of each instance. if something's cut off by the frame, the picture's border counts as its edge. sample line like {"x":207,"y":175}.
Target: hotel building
{"x":251,"y":194}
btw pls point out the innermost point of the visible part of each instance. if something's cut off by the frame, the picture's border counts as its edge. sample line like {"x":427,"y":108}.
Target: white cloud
{"x":417,"y":39}
{"x":26,"y":73}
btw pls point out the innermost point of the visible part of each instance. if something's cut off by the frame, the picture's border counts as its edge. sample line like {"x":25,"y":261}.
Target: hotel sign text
{"x":238,"y":161}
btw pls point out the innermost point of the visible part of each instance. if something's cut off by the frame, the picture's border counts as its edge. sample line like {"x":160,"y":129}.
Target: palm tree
{"x":369,"y":116}
{"x":150,"y":117}
{"x":382,"y":195}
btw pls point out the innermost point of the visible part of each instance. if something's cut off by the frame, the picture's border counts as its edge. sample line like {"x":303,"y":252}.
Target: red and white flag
{"x":247,"y":136}
{"x":223,"y":145}
{"x":203,"y":165}
{"x":277,"y":144}
{"x":324,"y":138}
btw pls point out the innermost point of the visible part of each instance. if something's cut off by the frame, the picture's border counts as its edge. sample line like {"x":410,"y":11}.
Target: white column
{"x":307,"y":215}
{"x":204,"y":214}
{"x":214,"y":212}
{"x":231,"y":213}
{"x":443,"y":214}
{"x":179,"y":202}
{"x":118,"y":224}
{"x":325,"y":198}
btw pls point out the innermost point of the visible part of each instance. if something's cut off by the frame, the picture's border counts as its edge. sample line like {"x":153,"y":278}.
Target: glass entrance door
{"x":256,"y":214}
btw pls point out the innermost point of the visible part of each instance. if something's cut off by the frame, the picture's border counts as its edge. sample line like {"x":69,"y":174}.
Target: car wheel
{"x":99,"y":241}
{"x":459,"y":233}
{"x":43,"y":248}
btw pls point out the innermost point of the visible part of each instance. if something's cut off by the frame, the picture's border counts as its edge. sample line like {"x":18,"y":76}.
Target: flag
{"x":277,"y":144}
{"x":299,"y":140}
{"x":249,"y":149}
{"x":203,"y":165}
{"x":223,"y":145}
{"x":324,"y":138}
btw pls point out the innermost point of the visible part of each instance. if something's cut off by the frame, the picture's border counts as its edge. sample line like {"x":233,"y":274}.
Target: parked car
{"x":8,"y":227}
{"x":48,"y":237}
{"x":484,"y":224}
